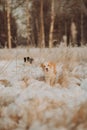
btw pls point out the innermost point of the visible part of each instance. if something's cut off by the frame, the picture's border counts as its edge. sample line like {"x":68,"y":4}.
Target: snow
{"x":29,"y":103}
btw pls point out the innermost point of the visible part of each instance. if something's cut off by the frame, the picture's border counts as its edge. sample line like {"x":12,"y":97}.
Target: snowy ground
{"x":28,"y":103}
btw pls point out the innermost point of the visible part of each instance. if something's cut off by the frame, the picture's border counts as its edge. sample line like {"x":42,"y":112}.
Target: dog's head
{"x":49,"y":67}
{"x":28,"y":59}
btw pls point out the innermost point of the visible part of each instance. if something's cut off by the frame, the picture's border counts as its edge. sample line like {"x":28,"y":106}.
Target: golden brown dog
{"x":49,"y":69}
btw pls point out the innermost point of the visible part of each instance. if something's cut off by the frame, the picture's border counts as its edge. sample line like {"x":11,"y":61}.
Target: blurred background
{"x":43,"y":23}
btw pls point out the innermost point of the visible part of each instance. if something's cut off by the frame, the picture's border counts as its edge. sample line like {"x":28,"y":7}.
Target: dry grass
{"x":48,"y":115}
{"x":25,"y":82}
{"x":63,"y":79}
{"x":5,"y":82}
{"x":56,"y":54}
{"x":79,"y":120}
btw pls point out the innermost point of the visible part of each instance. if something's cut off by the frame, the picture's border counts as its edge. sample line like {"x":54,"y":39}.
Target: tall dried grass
{"x":56,"y":54}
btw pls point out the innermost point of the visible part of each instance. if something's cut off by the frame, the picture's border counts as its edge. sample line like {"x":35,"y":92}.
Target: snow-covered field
{"x":27,"y":102}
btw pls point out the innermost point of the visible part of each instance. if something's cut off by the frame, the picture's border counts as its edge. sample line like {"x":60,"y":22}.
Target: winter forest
{"x":43,"y":64}
{"x":40,"y":23}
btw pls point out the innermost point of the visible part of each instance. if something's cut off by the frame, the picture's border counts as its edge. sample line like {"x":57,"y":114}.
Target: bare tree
{"x":28,"y":21}
{"x":52,"y":25}
{"x":9,"y":23}
{"x":73,"y":34}
{"x":82,"y":34}
{"x":42,"y":34}
{"x":38,"y":33}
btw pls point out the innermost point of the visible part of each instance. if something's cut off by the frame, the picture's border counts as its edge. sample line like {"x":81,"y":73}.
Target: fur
{"x":49,"y":69}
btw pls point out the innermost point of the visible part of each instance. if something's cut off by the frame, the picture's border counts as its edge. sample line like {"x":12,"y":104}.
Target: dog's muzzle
{"x":47,"y":69}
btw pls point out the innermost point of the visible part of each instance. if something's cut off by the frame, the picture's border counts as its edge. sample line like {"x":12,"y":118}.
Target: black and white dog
{"x":28,"y":59}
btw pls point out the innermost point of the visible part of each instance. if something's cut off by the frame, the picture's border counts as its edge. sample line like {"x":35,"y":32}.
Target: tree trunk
{"x":73,"y":34}
{"x":28,"y":23}
{"x":42,"y":34}
{"x":66,"y":31}
{"x":82,"y":35}
{"x":38,"y":33}
{"x":9,"y":24}
{"x":52,"y":25}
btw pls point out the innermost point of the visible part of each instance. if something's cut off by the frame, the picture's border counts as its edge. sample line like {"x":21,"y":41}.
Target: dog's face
{"x":49,"y":67}
{"x":28,"y":59}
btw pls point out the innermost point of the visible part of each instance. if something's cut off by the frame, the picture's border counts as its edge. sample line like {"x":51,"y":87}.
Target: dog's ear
{"x":28,"y":58}
{"x":42,"y":65}
{"x":25,"y":59}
